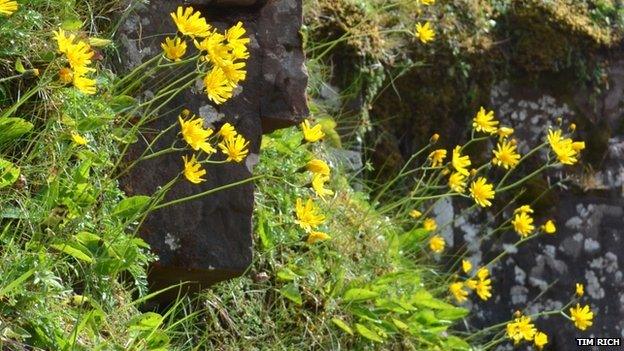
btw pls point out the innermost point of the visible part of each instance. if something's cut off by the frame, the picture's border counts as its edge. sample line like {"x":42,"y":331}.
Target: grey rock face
{"x":210,"y":239}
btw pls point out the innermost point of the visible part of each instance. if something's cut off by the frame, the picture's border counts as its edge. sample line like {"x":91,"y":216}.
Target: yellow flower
{"x":308,"y":217}
{"x":504,"y":132}
{"x":235,"y":148}
{"x":174,"y":49}
{"x":485,"y":122}
{"x":8,"y":7}
{"x":540,"y":340}
{"x":85,"y":85}
{"x":191,"y":24}
{"x":312,"y":133}
{"x":227,"y":131}
{"x":582,"y":317}
{"x":430,"y":224}
{"x":218,"y":87}
{"x":564,"y":148}
{"x":483,"y":286}
{"x":434,"y":138}
{"x":459,"y":162}
{"x":580,"y":289}
{"x":318,"y":166}
{"x":437,"y":157}
{"x":234,"y":72}
{"x":471,"y":283}
{"x":424,"y":32}
{"x":196,"y":135}
{"x":521,"y":328}
{"x":415,"y":214}
{"x":523,"y":208}
{"x":549,"y":227}
{"x":79,"y":56}
{"x":482,"y":192}
{"x":505,"y":155}
{"x":523,"y":224}
{"x":457,"y":182}
{"x":66,"y":75}
{"x":78,"y":139}
{"x":193,"y":170}
{"x":457,"y":289}
{"x":318,"y":184}
{"x":428,"y":2}
{"x":236,"y":42}
{"x":214,"y":48}
{"x":315,"y":237}
{"x":466,"y":266}
{"x":437,"y":243}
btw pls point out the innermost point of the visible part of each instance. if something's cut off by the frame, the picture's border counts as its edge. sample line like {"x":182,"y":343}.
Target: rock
{"x":210,"y":239}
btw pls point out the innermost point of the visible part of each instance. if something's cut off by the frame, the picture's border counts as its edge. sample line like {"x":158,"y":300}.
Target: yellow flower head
{"x":218,"y":87}
{"x":66,"y":75}
{"x":312,"y":133}
{"x":458,"y":291}
{"x":523,"y":208}
{"x":483,"y":285}
{"x":8,"y":7}
{"x":235,"y":148}
{"x":457,"y":182}
{"x":580,"y":289}
{"x":437,"y":157}
{"x":540,"y":340}
{"x":437,"y":244}
{"x":308,"y":217}
{"x":581,"y":316}
{"x":318,"y":184}
{"x":63,"y":41}
{"x":79,"y":56}
{"x":424,"y":32}
{"x":434,"y":138}
{"x":427,"y":2}
{"x":549,"y":227}
{"x":174,"y":49}
{"x":505,"y":155}
{"x":521,"y":328}
{"x":430,"y":224}
{"x":504,"y":132}
{"x":234,"y":71}
{"x":196,"y":135}
{"x":214,"y":48}
{"x":466,"y":266}
{"x":85,"y":85}
{"x":315,"y":237}
{"x":318,"y":166}
{"x":459,"y":162}
{"x":415,"y":214}
{"x":227,"y":131}
{"x":193,"y":171}
{"x":523,"y":224}
{"x":485,"y":122}
{"x":564,"y":148}
{"x":236,"y":42}
{"x":191,"y":24}
{"x":78,"y":139}
{"x":482,"y":192}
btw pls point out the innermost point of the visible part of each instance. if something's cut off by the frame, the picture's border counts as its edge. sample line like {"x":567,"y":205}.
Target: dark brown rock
{"x":210,"y":239}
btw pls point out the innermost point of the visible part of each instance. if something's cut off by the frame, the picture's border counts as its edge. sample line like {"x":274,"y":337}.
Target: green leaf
{"x":367,"y":333}
{"x":19,"y":67}
{"x":286,"y":274}
{"x":122,"y":103}
{"x":8,"y":173}
{"x":357,"y":294}
{"x":399,"y":324}
{"x":452,"y":314}
{"x":12,"y":128}
{"x":146,"y":321}
{"x":265,"y":237}
{"x":74,"y":250}
{"x":17,"y":282}
{"x":129,"y":207}
{"x":71,"y":24}
{"x":456,"y":343}
{"x":291,"y":292}
{"x":342,"y":325}
{"x":423,"y":298}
